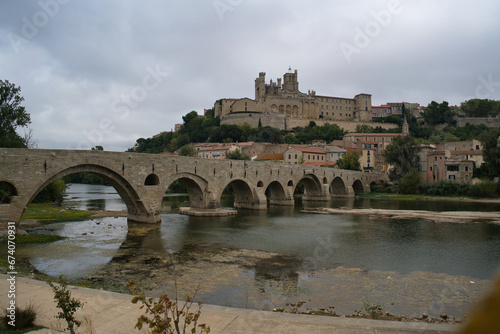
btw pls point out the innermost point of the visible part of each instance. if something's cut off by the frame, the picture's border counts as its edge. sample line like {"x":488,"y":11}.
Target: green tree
{"x":409,"y":182}
{"x":438,"y":113}
{"x":491,"y":150}
{"x":188,"y":151}
{"x":403,"y":154}
{"x":237,"y":155}
{"x":53,"y":193}
{"x":12,"y":115}
{"x":480,"y":108}
{"x":350,"y":161}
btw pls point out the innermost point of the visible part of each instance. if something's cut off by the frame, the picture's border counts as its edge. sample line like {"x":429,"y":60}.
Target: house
{"x":303,"y":155}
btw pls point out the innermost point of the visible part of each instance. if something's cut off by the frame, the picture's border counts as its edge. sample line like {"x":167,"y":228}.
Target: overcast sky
{"x":109,"y":72}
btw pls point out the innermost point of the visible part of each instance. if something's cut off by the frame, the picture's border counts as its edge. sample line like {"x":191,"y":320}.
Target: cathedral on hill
{"x":281,"y":104}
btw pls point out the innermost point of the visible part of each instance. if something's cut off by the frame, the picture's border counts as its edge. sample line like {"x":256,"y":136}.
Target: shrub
{"x":485,"y":188}
{"x":167,"y":315}
{"x":409,"y":182}
{"x":25,"y":317}
{"x":66,"y":303}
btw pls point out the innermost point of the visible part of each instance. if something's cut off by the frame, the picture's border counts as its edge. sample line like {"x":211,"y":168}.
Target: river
{"x":265,"y":259}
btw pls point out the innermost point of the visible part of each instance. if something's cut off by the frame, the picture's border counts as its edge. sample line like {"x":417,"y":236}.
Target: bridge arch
{"x":195,"y":186}
{"x":123,"y":187}
{"x":337,"y":187}
{"x":11,"y":191}
{"x":312,"y":186}
{"x":278,"y":195}
{"x":244,"y":195}
{"x":358,"y":187}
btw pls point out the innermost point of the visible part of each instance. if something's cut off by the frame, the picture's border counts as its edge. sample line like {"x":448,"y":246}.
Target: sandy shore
{"x":446,"y":216}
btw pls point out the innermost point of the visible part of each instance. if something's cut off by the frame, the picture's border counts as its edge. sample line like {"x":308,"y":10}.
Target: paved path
{"x":111,"y":312}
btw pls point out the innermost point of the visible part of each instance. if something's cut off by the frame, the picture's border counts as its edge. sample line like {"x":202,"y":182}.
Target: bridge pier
{"x":149,"y":218}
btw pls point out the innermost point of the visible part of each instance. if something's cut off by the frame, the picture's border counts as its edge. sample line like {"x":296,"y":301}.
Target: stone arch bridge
{"x":142,"y":180}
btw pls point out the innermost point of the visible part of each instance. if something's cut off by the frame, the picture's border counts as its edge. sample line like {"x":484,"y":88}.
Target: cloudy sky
{"x":109,"y":72}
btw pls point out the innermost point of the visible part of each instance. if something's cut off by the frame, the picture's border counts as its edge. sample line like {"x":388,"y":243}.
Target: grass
{"x":48,"y":213}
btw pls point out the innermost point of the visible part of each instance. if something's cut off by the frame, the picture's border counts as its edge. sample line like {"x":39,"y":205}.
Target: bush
{"x":409,"y":182}
{"x":25,"y":318}
{"x":66,"y":303}
{"x":486,"y":188}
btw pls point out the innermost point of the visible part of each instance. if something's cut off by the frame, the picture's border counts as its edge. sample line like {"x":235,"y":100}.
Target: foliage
{"x":165,"y":315}
{"x":312,"y":132}
{"x":409,"y":182}
{"x":438,"y":113}
{"x":350,"y":161}
{"x":12,"y":115}
{"x":491,"y":150}
{"x":467,"y":132}
{"x":85,"y":178}
{"x":53,"y":193}
{"x":480,"y":108}
{"x":485,"y":188}
{"x":188,"y":151}
{"x":237,"y":155}
{"x":389,"y":119}
{"x":370,"y":129}
{"x":25,"y":317}
{"x":403,"y":154}
{"x":66,"y":303}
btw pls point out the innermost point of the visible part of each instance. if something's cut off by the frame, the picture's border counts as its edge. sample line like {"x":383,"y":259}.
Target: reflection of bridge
{"x":142,"y":179}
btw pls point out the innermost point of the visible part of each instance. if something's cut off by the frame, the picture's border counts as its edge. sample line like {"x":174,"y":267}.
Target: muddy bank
{"x":262,"y":280}
{"x":447,"y":216}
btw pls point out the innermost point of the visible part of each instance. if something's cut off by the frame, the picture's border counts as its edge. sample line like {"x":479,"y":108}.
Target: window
{"x":466,"y":168}
{"x":313,"y":157}
{"x":451,"y":177}
{"x":435,"y":158}
{"x":340,"y":113}
{"x":419,"y":167}
{"x":289,"y":157}
{"x":308,"y":157}
{"x":431,"y":168}
{"x":322,"y":158}
{"x":453,"y":168}
{"x":466,"y":177}
{"x":295,"y":156}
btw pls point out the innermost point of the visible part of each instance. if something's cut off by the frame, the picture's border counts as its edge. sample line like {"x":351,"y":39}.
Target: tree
{"x":12,"y":115}
{"x":403,"y":154}
{"x":409,"y":182}
{"x":350,"y":161}
{"x":480,"y":108}
{"x":438,"y":113}
{"x":188,"y":151}
{"x":491,"y":150}
{"x":237,"y":155}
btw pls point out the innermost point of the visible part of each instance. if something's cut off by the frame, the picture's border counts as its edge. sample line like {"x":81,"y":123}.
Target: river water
{"x":265,"y":259}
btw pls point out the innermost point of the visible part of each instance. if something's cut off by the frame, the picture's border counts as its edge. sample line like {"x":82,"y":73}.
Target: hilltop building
{"x":282,"y":105}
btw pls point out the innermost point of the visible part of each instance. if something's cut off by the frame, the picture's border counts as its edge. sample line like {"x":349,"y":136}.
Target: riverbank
{"x":108,"y":312}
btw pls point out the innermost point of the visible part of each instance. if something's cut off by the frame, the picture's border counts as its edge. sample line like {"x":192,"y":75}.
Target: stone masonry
{"x":142,"y":179}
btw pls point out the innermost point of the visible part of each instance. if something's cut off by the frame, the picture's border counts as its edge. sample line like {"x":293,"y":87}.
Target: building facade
{"x":284,"y":98}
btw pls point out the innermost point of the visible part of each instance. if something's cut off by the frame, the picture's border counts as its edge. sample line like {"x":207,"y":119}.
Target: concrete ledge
{"x":207,"y":212}
{"x":114,"y":313}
